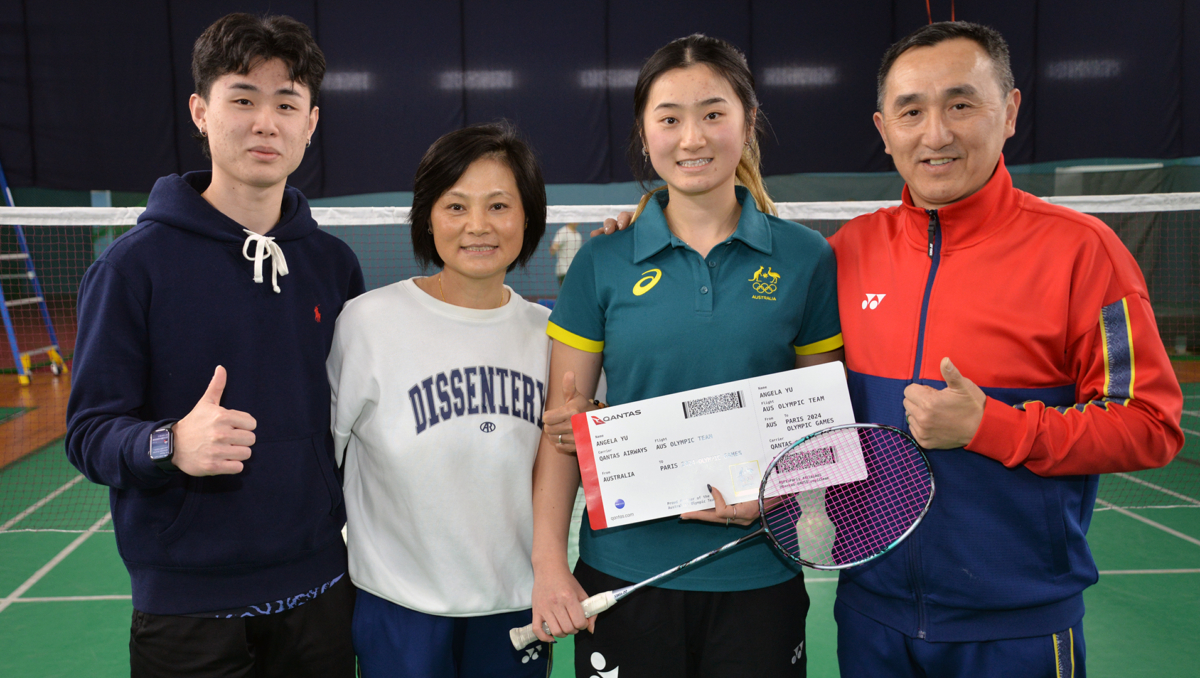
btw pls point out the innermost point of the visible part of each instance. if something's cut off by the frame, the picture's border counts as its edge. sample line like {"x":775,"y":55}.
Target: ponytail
{"x":643,"y":202}
{"x":749,"y":174}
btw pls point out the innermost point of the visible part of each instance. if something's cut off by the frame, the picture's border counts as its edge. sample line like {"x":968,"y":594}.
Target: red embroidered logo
{"x":317,"y":312}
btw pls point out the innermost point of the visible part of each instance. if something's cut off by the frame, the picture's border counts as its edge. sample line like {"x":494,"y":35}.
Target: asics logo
{"x":649,"y":280}
{"x":872,"y":301}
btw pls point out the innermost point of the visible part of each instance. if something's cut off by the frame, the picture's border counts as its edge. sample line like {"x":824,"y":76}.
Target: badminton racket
{"x":846,"y":523}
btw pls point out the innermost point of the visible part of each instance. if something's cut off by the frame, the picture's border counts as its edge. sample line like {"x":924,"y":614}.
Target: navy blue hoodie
{"x":158,"y":311}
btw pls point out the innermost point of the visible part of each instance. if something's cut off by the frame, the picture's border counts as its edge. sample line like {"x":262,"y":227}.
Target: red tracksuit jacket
{"x":1046,"y":310}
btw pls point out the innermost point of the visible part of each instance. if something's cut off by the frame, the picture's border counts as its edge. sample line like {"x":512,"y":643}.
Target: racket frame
{"x":762,"y":489}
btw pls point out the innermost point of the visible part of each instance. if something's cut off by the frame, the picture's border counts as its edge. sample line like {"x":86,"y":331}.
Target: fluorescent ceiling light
{"x":616,"y":78}
{"x":800,"y":76}
{"x":1083,"y":69}
{"x":346,"y":81}
{"x":476,"y":80}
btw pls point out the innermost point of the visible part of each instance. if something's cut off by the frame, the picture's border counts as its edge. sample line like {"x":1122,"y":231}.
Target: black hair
{"x":927,"y":36}
{"x":729,"y":63}
{"x":446,"y":161}
{"x":238,"y":42}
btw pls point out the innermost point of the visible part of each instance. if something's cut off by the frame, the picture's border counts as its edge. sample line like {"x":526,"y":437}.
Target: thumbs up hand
{"x":557,"y":422}
{"x":212,"y":440}
{"x":945,"y":419}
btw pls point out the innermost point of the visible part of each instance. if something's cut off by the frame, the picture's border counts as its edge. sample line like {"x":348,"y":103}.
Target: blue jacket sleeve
{"x":107,"y":440}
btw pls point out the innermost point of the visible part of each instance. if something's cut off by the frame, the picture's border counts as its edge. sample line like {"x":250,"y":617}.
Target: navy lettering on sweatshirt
{"x":479,"y":389}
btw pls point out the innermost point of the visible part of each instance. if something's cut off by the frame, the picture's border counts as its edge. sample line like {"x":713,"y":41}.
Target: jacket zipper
{"x":914,"y":548}
{"x":935,"y":254}
{"x":914,"y":573}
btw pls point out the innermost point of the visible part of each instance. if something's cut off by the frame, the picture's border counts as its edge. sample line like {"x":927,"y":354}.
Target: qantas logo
{"x":601,"y":420}
{"x":873,"y":301}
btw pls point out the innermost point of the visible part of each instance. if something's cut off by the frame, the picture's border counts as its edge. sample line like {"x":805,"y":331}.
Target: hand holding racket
{"x":829,"y":528}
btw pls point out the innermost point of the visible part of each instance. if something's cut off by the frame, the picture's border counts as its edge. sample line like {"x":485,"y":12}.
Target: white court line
{"x":1151,"y":523}
{"x":45,"y":569}
{"x":1188,"y":430}
{"x":70,"y":599}
{"x":1108,"y":572}
{"x":110,"y":531}
{"x":39,"y":503}
{"x":1192,"y":413}
{"x":1164,"y":490}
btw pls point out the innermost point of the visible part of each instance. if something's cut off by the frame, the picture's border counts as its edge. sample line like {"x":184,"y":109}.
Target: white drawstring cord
{"x":266,"y":249}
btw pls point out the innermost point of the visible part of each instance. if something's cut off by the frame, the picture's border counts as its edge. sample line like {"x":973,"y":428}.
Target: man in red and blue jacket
{"x":1058,"y":375}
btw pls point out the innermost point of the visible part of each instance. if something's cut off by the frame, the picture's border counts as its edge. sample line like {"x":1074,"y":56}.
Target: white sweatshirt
{"x":437,"y":410}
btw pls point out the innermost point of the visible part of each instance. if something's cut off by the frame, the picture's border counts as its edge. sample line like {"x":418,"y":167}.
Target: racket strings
{"x":851,"y":520}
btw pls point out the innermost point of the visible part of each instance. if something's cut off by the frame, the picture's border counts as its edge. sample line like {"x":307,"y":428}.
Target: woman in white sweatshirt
{"x":438,"y":389}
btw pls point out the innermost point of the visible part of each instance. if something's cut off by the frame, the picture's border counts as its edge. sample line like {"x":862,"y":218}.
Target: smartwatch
{"x":162,"y":448}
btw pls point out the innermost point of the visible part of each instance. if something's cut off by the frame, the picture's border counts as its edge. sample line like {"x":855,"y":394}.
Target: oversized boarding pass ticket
{"x":655,"y":458}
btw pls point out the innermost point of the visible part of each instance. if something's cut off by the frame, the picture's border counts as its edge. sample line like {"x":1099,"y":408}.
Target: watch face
{"x":160,"y":444}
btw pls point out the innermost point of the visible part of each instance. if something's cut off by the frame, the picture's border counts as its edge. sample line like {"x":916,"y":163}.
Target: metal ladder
{"x":24,"y":359}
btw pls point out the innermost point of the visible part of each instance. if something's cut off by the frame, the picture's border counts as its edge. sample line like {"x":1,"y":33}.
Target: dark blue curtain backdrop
{"x":93,"y":95}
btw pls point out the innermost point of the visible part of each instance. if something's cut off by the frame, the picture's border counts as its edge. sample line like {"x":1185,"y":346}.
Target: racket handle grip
{"x":524,"y":636}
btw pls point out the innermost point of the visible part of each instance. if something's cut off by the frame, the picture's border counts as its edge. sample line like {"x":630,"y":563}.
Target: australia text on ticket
{"x":654,"y":458}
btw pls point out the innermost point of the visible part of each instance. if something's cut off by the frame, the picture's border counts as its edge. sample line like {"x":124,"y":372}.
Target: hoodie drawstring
{"x":266,"y":249}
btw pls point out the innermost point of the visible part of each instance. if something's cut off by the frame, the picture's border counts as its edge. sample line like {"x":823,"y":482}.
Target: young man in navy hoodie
{"x":199,"y":391}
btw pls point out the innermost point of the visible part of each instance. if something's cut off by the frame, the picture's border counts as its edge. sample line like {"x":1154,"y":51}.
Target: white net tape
{"x":562,"y":214}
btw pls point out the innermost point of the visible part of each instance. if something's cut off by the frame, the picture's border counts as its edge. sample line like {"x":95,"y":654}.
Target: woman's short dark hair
{"x":927,"y":36}
{"x":446,"y":161}
{"x":238,"y":42}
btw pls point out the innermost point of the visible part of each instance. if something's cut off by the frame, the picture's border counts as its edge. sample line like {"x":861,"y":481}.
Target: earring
{"x":309,"y":142}
{"x":645,"y":153}
{"x":203,"y":132}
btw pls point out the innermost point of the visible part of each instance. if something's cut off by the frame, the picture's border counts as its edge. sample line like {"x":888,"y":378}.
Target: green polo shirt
{"x":669,"y":320}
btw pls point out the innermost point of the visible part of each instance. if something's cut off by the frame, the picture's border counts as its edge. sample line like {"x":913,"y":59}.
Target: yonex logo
{"x":872,"y":301}
{"x":649,"y":280}
{"x":487,"y":427}
{"x":600,"y":663}
{"x":531,"y":654}
{"x":798,"y":652}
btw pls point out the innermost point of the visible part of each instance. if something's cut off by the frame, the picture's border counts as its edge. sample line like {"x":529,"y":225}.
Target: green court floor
{"x":65,"y":608}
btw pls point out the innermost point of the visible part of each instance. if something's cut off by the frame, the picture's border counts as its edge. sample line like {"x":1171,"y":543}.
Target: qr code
{"x":713,"y":404}
{"x":798,"y":460}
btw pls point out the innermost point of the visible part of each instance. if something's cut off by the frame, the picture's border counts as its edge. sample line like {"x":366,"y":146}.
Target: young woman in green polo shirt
{"x":675,"y":303}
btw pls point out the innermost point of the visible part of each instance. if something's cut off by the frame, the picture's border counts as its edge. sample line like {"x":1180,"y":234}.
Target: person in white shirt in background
{"x":438,"y":390}
{"x":565,"y":246}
